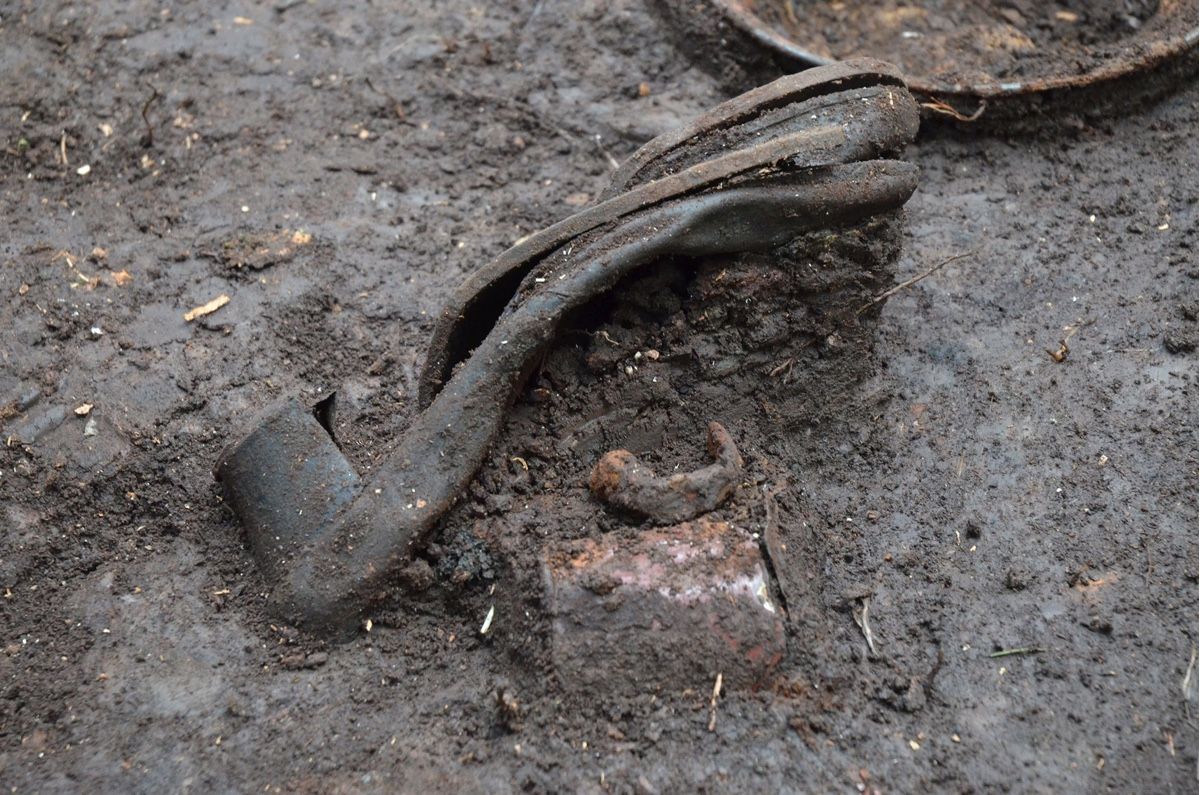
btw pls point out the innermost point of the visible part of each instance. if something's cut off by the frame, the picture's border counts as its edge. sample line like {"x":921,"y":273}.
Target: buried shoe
{"x":804,"y":153}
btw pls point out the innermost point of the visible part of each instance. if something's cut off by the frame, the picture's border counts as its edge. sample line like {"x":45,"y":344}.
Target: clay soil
{"x":999,"y":467}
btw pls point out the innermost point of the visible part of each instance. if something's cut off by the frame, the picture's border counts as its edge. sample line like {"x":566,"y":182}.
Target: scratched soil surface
{"x":1017,"y":529}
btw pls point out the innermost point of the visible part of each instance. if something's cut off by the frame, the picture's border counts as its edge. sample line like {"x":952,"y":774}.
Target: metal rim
{"x":1159,"y":52}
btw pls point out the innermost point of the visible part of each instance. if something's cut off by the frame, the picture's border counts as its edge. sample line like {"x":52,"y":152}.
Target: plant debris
{"x":206,"y":309}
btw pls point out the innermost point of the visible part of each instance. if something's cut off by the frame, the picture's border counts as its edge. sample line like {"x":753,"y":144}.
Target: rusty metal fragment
{"x":670,"y":609}
{"x":621,"y":479}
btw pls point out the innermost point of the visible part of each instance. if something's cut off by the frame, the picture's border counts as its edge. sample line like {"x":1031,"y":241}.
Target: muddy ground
{"x":336,"y":171}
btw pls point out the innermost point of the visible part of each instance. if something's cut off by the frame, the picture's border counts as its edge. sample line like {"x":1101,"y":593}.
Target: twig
{"x":905,"y":285}
{"x":861,"y":618}
{"x":604,"y":335}
{"x":771,"y":543}
{"x":397,"y":106}
{"x":785,"y":367}
{"x":1011,"y":652}
{"x":612,"y":161}
{"x":62,"y":148}
{"x":1073,"y":329}
{"x":148,"y":138}
{"x":1187,"y":677}
{"x":1060,"y":355}
{"x":521,"y":109}
{"x":937,"y":106}
{"x":712,"y":704}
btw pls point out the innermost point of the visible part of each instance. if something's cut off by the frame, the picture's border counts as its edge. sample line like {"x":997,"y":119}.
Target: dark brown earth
{"x":337,"y":172}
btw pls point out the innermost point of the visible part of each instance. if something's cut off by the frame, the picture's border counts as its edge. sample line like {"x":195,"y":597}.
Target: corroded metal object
{"x":807,"y":151}
{"x":623,"y":480}
{"x":672,"y":608}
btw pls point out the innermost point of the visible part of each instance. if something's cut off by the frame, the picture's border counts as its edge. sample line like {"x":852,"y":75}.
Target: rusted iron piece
{"x":621,"y":479}
{"x":1172,"y":39}
{"x":669,"y":609}
{"x":797,"y":168}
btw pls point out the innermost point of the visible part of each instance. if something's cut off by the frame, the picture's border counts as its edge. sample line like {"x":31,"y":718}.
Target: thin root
{"x":862,"y":618}
{"x":905,"y":285}
{"x":937,"y":106}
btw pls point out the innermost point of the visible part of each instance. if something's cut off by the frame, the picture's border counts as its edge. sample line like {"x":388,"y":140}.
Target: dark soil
{"x":337,"y":172}
{"x":972,"y":42}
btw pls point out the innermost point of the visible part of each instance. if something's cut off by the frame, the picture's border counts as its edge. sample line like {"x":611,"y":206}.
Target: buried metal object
{"x":674,"y":605}
{"x":621,"y":479}
{"x":798,"y":154}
